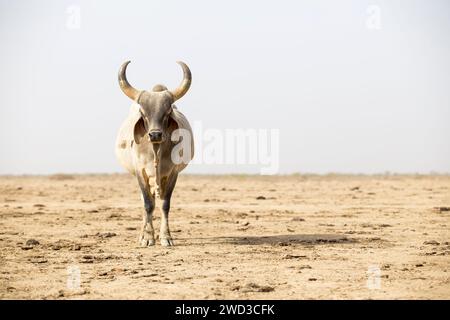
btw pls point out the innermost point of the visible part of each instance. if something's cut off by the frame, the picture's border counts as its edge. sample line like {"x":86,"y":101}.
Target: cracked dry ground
{"x":237,"y":237}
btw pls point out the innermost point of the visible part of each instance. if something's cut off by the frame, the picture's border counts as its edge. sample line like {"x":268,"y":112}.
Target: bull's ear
{"x":174,"y":124}
{"x":139,"y":130}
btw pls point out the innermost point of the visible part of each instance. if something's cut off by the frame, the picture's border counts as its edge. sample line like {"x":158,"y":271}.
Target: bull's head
{"x":155,"y":106}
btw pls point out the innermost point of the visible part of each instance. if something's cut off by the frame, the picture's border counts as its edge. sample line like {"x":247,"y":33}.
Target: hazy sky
{"x":352,"y":86}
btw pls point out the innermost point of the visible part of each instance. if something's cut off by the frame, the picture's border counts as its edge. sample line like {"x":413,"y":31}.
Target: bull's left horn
{"x":130,"y":92}
{"x":185,"y":84}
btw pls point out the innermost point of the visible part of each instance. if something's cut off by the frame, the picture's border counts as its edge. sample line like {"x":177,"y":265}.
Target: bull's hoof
{"x":167,"y":242}
{"x":145,"y":240}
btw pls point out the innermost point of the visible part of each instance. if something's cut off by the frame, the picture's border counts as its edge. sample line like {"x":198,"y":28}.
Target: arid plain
{"x":236,"y":237}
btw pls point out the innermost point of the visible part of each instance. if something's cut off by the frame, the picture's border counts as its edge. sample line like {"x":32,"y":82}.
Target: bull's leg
{"x":164,"y":235}
{"x":147,"y":237}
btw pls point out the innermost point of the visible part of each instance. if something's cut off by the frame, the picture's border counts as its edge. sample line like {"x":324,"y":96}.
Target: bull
{"x":148,"y":147}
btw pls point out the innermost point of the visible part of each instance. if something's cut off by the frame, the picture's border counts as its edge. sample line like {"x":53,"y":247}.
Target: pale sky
{"x":345,"y":95}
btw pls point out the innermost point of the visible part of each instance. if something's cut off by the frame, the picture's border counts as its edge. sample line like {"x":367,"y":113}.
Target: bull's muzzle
{"x":156,"y":136}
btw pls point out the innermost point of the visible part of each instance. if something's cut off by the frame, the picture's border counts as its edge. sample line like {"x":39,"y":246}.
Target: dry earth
{"x":237,"y":237}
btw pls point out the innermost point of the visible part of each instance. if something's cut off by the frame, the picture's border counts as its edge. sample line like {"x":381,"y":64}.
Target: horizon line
{"x":386,"y":173}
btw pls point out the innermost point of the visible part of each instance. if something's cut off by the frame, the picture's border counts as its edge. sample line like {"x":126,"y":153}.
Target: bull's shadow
{"x":284,"y":239}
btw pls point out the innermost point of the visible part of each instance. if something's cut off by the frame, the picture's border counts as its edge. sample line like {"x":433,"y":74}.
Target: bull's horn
{"x":131,"y":92}
{"x":185,"y":84}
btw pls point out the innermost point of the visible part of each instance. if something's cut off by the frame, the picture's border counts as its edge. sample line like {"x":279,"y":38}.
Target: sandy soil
{"x":310,"y":237}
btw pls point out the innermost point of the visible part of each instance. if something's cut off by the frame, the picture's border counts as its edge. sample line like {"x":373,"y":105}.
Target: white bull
{"x":154,"y":144}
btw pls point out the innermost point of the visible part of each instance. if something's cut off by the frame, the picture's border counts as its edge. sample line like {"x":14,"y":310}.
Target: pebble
{"x":106,"y":234}
{"x":291,"y":256}
{"x":253,"y":287}
{"x":32,"y":242}
{"x":431,"y":242}
{"x":38,"y":260}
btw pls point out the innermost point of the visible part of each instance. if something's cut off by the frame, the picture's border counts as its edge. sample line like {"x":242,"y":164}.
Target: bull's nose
{"x":155,"y":136}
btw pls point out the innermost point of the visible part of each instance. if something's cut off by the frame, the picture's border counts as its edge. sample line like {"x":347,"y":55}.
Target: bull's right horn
{"x":130,"y":92}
